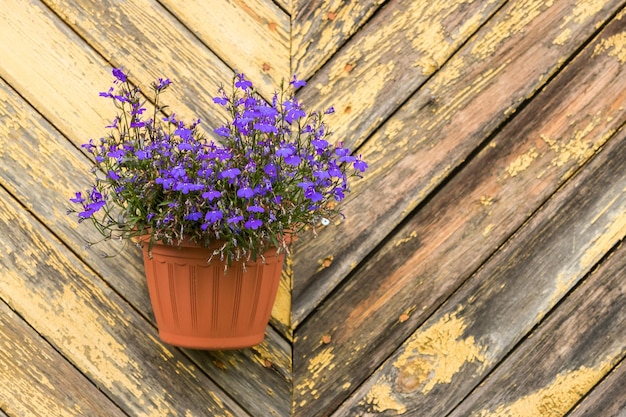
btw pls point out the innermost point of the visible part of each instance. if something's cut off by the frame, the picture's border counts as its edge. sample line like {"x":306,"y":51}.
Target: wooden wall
{"x":479,"y":270}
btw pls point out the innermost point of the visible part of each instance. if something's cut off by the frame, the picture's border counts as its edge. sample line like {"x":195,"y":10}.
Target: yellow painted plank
{"x":42,"y":169}
{"x":145,"y":39}
{"x":53,"y":69}
{"x":608,"y":398}
{"x":321,"y":27}
{"x":251,"y":36}
{"x":94,"y":328}
{"x":36,"y":381}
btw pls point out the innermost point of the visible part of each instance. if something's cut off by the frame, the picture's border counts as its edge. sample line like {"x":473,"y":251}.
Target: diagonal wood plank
{"x":608,"y":398}
{"x":470,"y":335}
{"x":36,"y":381}
{"x":320,"y":27}
{"x":553,"y":369}
{"x":128,"y":33}
{"x":23,"y":134}
{"x":451,"y":235}
{"x":251,"y":36}
{"x":51,"y":75}
{"x":433,"y":132}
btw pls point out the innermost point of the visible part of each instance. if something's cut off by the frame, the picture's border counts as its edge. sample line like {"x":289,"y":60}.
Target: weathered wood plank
{"x":41,"y":168}
{"x":128,"y":34}
{"x":37,"y":381}
{"x":508,"y":61}
{"x":468,"y":337}
{"x":566,"y":357}
{"x":61,"y":77}
{"x":606,"y":399}
{"x":443,"y":243}
{"x":285,"y":5}
{"x":251,"y":36}
{"x":94,"y":328}
{"x":320,"y":27}
{"x":389,"y":58}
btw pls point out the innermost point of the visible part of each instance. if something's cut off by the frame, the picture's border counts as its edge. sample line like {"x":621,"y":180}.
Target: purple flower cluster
{"x":273,"y":171}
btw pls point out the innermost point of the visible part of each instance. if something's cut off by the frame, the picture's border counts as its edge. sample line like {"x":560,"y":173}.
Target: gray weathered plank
{"x":251,"y":36}
{"x":433,"y":133}
{"x":94,"y":328}
{"x":51,"y":176}
{"x":566,"y":357}
{"x":451,"y":235}
{"x":467,"y":338}
{"x":608,"y":398}
{"x":37,"y":381}
{"x":320,"y":27}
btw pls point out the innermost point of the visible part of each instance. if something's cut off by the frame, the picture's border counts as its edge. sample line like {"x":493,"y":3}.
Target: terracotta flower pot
{"x":198,"y":306}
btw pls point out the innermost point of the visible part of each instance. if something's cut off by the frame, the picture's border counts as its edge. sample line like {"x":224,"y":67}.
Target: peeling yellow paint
{"x":434,"y":355}
{"x":380,"y":398}
{"x":432,"y":39}
{"x":522,"y":162}
{"x":321,"y":361}
{"x":488,"y":229}
{"x":555,"y":399}
{"x":563,"y":37}
{"x":615,"y":45}
{"x":410,"y":237}
{"x":577,"y":148}
{"x":393,"y":127}
{"x":486,"y":201}
{"x":584,"y":10}
{"x":166,"y":354}
{"x":517,"y":18}
{"x":613,"y":232}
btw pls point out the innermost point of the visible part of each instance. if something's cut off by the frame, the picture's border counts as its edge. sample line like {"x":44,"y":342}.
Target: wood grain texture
{"x":566,"y":357}
{"x":320,"y":27}
{"x":24,"y":134}
{"x":495,"y":133}
{"x":52,"y":75}
{"x":94,"y":328}
{"x":251,"y":36}
{"x":458,"y":229}
{"x":389,"y":58}
{"x":126,"y":35}
{"x":437,"y":129}
{"x":436,"y":367}
{"x":608,"y":398}
{"x":37,"y":381}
